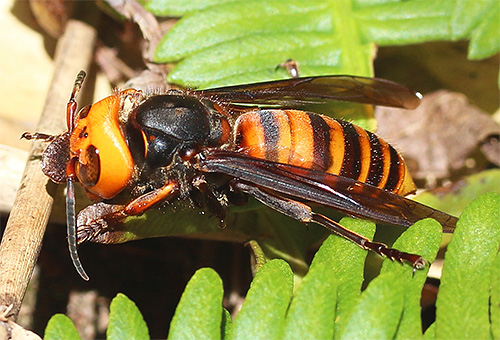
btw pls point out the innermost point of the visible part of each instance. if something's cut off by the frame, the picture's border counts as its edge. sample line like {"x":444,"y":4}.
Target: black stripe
{"x":394,"y":175}
{"x":376,"y":172}
{"x":321,"y":137}
{"x":351,"y":165}
{"x":271,"y":133}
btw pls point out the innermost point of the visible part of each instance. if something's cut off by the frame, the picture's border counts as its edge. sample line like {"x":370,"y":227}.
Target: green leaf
{"x":347,"y":261}
{"x":125,"y":320}
{"x":485,"y":40}
{"x":284,"y":238}
{"x":227,"y":324}
{"x":312,"y":312}
{"x":234,"y":20}
{"x":199,"y":312}
{"x":246,"y":60}
{"x":467,"y":15}
{"x":262,"y":315}
{"x":405,"y":22}
{"x":463,"y":193}
{"x":232,"y":42}
{"x":379,"y":310}
{"x":423,"y":238}
{"x":244,"y":41}
{"x":258,"y":255}
{"x":430,"y":333}
{"x":174,"y":8}
{"x":60,"y":327}
{"x":409,"y":22}
{"x":462,"y":307}
{"x":495,"y":298}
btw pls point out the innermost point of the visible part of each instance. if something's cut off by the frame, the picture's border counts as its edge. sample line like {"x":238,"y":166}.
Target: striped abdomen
{"x":322,"y":143}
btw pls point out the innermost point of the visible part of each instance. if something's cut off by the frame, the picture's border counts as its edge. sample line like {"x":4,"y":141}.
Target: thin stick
{"x":25,"y":228}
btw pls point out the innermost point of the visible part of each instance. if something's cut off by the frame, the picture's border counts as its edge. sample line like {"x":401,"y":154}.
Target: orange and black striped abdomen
{"x":322,"y":143}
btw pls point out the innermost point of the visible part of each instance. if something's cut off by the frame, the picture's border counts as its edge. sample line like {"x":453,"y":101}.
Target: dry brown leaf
{"x":11,"y":330}
{"x":439,"y":136}
{"x":51,"y":15}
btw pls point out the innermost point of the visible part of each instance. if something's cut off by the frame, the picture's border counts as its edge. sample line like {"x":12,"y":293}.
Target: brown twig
{"x":23,"y":235}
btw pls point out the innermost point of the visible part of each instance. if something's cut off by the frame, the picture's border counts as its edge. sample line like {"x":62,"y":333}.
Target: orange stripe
{"x":407,"y":185}
{"x":302,"y":140}
{"x":252,"y":135}
{"x":285,"y":136}
{"x":401,"y":173}
{"x":337,"y":146}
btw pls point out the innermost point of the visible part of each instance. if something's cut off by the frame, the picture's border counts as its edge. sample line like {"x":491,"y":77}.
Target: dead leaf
{"x":439,"y":136}
{"x":51,"y":15}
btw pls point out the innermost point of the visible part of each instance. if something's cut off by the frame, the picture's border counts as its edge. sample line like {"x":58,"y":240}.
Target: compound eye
{"x":88,"y":174}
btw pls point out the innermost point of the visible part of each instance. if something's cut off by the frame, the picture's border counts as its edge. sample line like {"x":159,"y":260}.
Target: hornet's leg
{"x":303,"y":213}
{"x":99,"y":218}
{"x":209,"y":200}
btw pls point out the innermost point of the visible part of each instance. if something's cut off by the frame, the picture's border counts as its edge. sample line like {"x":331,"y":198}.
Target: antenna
{"x":70,"y":174}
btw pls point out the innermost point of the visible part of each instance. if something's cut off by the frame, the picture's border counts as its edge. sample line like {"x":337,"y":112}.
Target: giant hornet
{"x":214,"y":147}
